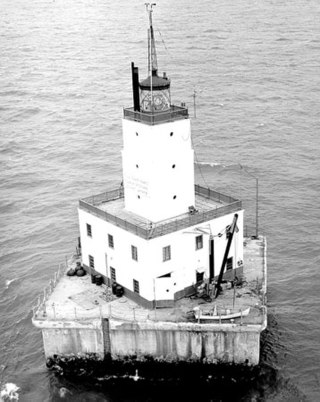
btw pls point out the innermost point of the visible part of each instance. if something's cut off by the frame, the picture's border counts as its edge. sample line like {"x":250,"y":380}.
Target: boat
{"x":214,"y":315}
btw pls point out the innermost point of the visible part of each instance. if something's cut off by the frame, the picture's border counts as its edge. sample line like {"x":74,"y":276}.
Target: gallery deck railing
{"x":174,"y":113}
{"x":152,"y":230}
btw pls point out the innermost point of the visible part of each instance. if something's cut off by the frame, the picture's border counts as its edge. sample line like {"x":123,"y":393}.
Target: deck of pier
{"x":76,"y":298}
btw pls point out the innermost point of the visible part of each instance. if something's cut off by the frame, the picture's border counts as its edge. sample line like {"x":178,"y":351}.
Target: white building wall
{"x":185,"y":259}
{"x":118,"y":257}
{"x":158,"y":169}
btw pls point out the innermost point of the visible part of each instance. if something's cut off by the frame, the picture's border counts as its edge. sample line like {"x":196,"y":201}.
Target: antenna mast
{"x":152,"y":54}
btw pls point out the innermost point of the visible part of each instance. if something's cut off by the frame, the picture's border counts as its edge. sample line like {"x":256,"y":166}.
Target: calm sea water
{"x":64,"y":78}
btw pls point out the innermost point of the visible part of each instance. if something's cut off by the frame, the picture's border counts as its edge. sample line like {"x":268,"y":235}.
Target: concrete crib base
{"x":162,"y":341}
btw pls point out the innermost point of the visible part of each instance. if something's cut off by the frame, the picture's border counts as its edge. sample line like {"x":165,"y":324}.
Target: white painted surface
{"x":184,"y":262}
{"x":158,"y":169}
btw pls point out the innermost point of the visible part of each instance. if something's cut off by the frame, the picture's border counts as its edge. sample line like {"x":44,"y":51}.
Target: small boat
{"x":213,"y":315}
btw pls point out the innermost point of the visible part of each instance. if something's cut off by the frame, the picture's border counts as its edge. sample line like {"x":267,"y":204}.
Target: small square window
{"x":89,"y":230}
{"x":229,"y":263}
{"x":134,"y":253}
{"x":110,"y":241}
{"x":113,"y":274}
{"x":199,"y":242}
{"x":166,"y":253}
{"x":91,"y":261}
{"x":136,"y":287}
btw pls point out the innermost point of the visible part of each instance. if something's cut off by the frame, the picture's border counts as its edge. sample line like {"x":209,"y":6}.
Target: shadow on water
{"x":154,"y":381}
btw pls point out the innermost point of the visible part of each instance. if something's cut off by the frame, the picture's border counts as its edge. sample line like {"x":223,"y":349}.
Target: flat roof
{"x":76,"y":298}
{"x":209,"y":204}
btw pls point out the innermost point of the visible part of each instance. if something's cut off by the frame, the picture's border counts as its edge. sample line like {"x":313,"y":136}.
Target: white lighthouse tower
{"x":159,"y":235}
{"x":158,"y":160}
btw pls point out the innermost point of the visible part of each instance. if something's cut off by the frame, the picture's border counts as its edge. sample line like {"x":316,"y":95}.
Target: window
{"x":91,"y":261}
{"x":136,"y":287}
{"x":166,"y":253}
{"x":110,"y":241}
{"x":199,"y":242}
{"x":89,"y":230}
{"x":134,"y":253}
{"x":113,"y":274}
{"x":229,"y":263}
{"x":199,"y":276}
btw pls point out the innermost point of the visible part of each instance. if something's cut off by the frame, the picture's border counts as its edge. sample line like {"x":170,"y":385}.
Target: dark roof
{"x":157,"y":83}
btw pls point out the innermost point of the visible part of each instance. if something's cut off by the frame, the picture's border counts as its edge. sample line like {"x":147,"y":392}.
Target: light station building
{"x":159,"y":234}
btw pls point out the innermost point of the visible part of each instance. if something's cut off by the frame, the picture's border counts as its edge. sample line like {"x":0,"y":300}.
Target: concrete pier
{"x":78,"y":318}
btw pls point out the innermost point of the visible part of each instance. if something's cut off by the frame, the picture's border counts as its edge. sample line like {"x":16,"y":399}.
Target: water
{"x":64,"y":78}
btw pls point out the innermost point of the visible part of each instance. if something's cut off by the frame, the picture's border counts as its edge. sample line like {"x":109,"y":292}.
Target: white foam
{"x":63,"y":392}
{"x":9,"y":392}
{"x":9,"y":281}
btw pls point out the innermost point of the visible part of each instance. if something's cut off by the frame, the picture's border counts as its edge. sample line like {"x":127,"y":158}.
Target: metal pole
{"x":257,"y":198}
{"x":257,"y":207}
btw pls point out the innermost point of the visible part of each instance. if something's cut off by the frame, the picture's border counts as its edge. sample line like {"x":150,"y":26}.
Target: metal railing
{"x":214,"y":195}
{"x":105,"y":197}
{"x":39,"y":309}
{"x":174,"y":113}
{"x":91,"y":204}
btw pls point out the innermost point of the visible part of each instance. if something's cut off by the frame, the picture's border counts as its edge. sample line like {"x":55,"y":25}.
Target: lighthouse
{"x":171,"y":250}
{"x":158,"y":159}
{"x":158,"y":235}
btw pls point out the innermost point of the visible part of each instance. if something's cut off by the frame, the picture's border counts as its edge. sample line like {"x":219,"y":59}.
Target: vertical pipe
{"x":257,"y":207}
{"x":135,"y":87}
{"x":211,"y":259}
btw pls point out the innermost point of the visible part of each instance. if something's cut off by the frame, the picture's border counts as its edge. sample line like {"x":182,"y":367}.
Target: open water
{"x":64,"y":78}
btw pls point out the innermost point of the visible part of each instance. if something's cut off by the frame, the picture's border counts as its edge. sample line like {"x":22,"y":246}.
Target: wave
{"x":221,"y":165}
{"x":211,"y":164}
{"x":9,"y":281}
